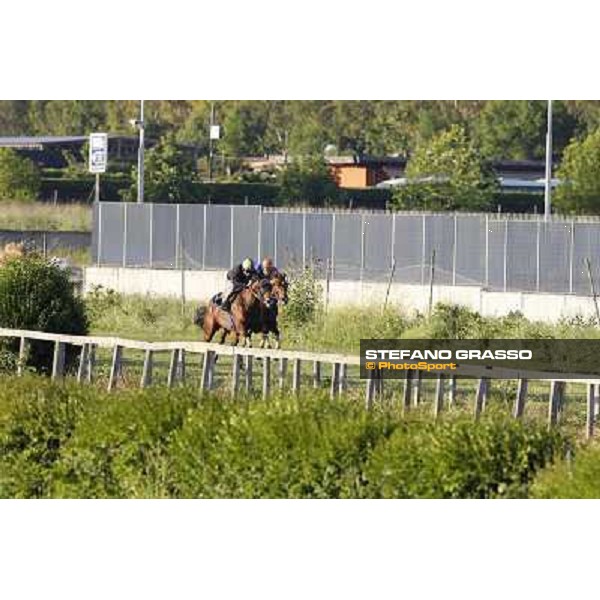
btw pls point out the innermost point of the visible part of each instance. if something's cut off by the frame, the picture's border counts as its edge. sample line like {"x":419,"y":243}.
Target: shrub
{"x":305,"y":296}
{"x":460,"y":459}
{"x":39,"y":296}
{"x":36,"y":418}
{"x":311,"y":448}
{"x":19,"y":177}
{"x":117,"y":449}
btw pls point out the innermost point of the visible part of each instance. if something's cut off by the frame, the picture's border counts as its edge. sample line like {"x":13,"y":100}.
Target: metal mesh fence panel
{"x":318,"y":240}
{"x":164,"y":236}
{"x":521,"y":249}
{"x":495,"y":254}
{"x":408,"y":248}
{"x":218,"y":237}
{"x":347,"y":246}
{"x":245,"y":232}
{"x":267,"y":234}
{"x":439,"y":236}
{"x":55,"y":241}
{"x":137,"y":232}
{"x":111,"y":233}
{"x":191,"y":236}
{"x":289,"y":248}
{"x":586,"y":245}
{"x":555,"y":257}
{"x":470,"y":251}
{"x":378,"y":241}
{"x":94,"y":245}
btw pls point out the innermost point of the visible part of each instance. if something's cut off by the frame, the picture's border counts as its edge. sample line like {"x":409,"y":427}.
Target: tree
{"x":580,"y":174}
{"x":307,"y":180}
{"x":19,"y":177}
{"x":447,"y":174}
{"x":169,"y":174}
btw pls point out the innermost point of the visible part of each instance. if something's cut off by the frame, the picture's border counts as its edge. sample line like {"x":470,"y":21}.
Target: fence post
{"x":362,"y":246}
{"x":207,"y":367}
{"x":481,"y":396}
{"x":335,"y":380}
{"x":266,"y":383}
{"x":172,"y":368}
{"x":83,"y":354}
{"x":231,"y":218}
{"x":235,"y":374}
{"x":590,"y":411}
{"x":316,"y":374}
{"x":296,"y":375}
{"x":259,"y":241}
{"x":406,"y":390}
{"x":370,"y":390}
{"x":439,"y":396}
{"x":343,"y":378}
{"x":416,"y":387}
{"x":115,"y":367}
{"x":22,"y":356}
{"x":520,"y":399}
{"x":452,"y":391}
{"x":147,"y":370}
{"x":91,"y":362}
{"x":275,"y":238}
{"x":58,"y":361}
{"x":248,"y":367}
{"x":282,"y":372}
{"x":177,"y":237}
{"x":554,"y":402}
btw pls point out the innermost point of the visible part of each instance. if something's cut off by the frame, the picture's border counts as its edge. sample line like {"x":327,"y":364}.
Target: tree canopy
{"x":19,"y":177}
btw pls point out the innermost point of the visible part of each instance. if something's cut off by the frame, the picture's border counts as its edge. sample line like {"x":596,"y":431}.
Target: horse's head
{"x":263,"y":290}
{"x":279,"y":284}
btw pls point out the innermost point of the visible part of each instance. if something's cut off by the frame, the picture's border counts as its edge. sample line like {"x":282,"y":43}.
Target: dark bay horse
{"x":245,"y":311}
{"x":267,"y":323}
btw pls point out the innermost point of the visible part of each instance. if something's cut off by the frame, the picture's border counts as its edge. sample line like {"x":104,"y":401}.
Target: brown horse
{"x":268,"y":312}
{"x":245,"y":309}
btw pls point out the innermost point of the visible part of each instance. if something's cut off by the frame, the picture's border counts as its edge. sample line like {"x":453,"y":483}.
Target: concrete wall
{"x":200,"y":285}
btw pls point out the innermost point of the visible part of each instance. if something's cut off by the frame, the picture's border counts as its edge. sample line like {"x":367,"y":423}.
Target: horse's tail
{"x":199,"y":316}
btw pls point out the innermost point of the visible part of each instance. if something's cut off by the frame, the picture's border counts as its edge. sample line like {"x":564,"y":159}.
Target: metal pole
{"x":547,"y":188}
{"x":431,"y":279}
{"x":97,"y":189}
{"x":571,"y":255}
{"x":210,"y":142}
{"x":588,"y":264}
{"x":140,"y":197}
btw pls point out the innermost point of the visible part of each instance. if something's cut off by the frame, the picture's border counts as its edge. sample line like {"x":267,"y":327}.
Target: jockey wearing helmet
{"x":239,"y":277}
{"x":266,"y":269}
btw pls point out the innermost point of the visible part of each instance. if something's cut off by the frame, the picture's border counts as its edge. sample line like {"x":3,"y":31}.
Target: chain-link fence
{"x":498,"y":252}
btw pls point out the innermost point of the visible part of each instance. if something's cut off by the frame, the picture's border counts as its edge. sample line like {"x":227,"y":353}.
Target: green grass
{"x":45,"y":216}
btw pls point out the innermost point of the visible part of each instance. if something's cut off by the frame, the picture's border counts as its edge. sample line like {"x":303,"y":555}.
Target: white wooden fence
{"x":337,"y":363}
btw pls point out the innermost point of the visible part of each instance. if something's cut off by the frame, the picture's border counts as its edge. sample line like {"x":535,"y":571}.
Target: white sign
{"x":215,"y":132}
{"x":98,"y":152}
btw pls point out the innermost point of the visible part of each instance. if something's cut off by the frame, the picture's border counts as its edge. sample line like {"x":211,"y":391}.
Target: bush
{"x":305,"y":297}
{"x":19,"y":177}
{"x":117,"y":449}
{"x":36,"y":295}
{"x":36,"y":418}
{"x":577,"y":477}
{"x":460,"y":459}
{"x":311,"y":448}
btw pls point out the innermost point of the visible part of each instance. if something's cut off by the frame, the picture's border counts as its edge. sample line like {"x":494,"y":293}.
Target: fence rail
{"x":498,"y":252}
{"x":338,"y":363}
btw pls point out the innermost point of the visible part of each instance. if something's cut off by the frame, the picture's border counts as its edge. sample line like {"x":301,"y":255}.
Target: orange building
{"x":365,"y":171}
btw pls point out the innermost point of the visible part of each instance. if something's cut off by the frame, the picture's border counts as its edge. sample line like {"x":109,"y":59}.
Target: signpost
{"x":98,"y":158}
